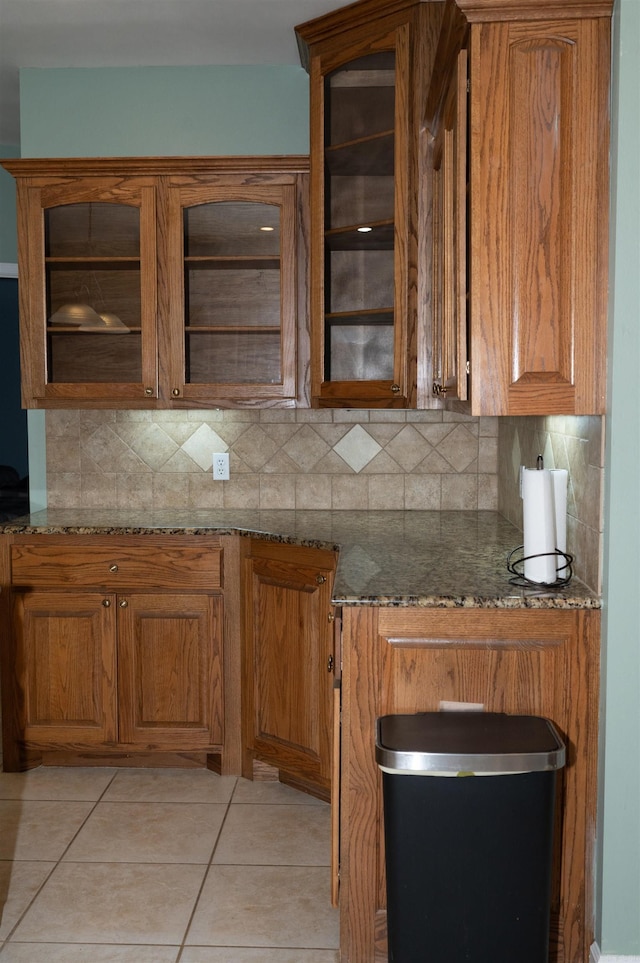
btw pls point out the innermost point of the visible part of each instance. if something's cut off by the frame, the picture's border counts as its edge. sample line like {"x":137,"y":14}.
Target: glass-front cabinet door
{"x":89,"y":301}
{"x":231,"y":307}
{"x":363,"y":211}
{"x":153,"y":282}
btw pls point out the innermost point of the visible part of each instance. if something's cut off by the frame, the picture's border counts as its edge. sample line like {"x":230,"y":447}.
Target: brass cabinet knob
{"x":113,"y":568}
{"x":395,"y":388}
{"x":330,"y":664}
{"x":176,"y":392}
{"x":439,"y":389}
{"x":148,"y":391}
{"x":321,"y":579}
{"x":106,"y":603}
{"x":123,"y":603}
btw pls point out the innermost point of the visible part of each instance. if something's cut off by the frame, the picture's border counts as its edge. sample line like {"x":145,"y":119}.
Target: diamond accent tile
{"x":357,"y":448}
{"x":201,"y":445}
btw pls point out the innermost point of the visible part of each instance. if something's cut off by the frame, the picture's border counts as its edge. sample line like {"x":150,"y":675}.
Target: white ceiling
{"x":143,"y":33}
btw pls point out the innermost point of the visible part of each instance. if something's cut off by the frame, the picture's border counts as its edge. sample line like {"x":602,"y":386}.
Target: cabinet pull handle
{"x":106,"y":603}
{"x":321,"y":579}
{"x":113,"y":568}
{"x":330,"y":664}
{"x":395,"y":388}
{"x":123,"y":603}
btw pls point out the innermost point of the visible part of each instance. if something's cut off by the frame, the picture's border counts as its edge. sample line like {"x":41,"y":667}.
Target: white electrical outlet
{"x":221,"y":466}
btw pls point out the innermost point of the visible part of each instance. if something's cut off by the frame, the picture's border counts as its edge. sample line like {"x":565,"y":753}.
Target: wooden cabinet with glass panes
{"x":151,"y":282}
{"x":369,"y":64}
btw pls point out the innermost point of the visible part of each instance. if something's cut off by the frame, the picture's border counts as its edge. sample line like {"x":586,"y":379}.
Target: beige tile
{"x":148,"y":832}
{"x":55,"y":783}
{"x":86,"y":953}
{"x":19,"y":883}
{"x":242,"y":491}
{"x":265,"y":906}
{"x":277,"y":491}
{"x":97,"y":491}
{"x":408,"y":448}
{"x":113,"y":903}
{"x":170,"y":490}
{"x":350,"y":492}
{"x":488,"y":456}
{"x":460,"y":448}
{"x":275,"y":835}
{"x":170,"y":785}
{"x":34,"y":829}
{"x":248,"y":791}
{"x":255,"y":447}
{"x":134,"y":491}
{"x":459,"y":492}
{"x":386,"y":492}
{"x":243,"y":954}
{"x":423,"y":492}
{"x":306,"y":448}
{"x":313,"y":491}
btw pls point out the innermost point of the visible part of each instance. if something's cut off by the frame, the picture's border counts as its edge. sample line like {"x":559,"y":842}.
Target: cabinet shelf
{"x":373,"y":155}
{"x":232,"y":329}
{"x":374,"y":316}
{"x":244,"y":261}
{"x":72,"y":329}
{"x":352,"y":238}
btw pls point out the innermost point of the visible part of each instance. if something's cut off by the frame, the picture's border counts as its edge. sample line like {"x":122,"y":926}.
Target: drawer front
{"x":117,"y":567}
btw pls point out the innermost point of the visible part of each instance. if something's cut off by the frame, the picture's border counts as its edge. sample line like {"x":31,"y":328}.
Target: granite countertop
{"x":391,"y":558}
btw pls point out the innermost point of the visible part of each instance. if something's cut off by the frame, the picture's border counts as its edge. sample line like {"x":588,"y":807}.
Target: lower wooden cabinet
{"x":522,"y":661}
{"x":98,"y":659}
{"x":290,"y":662}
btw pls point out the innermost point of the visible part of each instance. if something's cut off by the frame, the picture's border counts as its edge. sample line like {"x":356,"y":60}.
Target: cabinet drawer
{"x":117,"y":566}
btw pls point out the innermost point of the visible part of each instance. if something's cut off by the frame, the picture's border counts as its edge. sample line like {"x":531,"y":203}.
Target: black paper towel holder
{"x":516,"y":567}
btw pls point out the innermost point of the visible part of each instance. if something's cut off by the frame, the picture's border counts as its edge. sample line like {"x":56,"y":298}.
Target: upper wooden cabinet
{"x":538,"y":134}
{"x":161,"y":283}
{"x":369,"y":64}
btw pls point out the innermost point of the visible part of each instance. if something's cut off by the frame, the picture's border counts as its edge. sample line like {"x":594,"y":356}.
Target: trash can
{"x":468,"y":822}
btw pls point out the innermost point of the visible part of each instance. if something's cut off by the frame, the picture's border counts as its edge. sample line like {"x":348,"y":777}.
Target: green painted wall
{"x":114,"y":112}
{"x":619,"y":844}
{"x":8,"y":239}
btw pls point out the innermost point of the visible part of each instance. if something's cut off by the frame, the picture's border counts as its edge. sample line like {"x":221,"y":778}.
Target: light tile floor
{"x":162,"y":866}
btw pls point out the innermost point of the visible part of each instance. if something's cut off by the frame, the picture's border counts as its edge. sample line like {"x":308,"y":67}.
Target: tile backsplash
{"x":574,"y":443}
{"x":323,"y":459}
{"x":326,"y":459}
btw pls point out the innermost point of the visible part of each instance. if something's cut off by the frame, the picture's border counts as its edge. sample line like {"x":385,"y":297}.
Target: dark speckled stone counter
{"x":394,"y":558}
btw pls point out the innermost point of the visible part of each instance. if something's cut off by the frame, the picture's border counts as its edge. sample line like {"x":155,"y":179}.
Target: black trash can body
{"x":468,"y":819}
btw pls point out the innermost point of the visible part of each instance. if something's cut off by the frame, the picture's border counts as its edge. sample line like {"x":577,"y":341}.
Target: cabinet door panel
{"x":67,"y":667}
{"x":289,"y":676}
{"x":93,"y":293}
{"x":539,"y":208}
{"x":169,"y":671}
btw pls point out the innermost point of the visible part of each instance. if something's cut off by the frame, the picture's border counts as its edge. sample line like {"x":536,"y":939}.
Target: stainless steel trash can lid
{"x":453,"y":742}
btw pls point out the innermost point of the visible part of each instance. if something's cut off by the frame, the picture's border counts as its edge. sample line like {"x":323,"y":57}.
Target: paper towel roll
{"x":539,"y":525}
{"x":559,"y":481}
